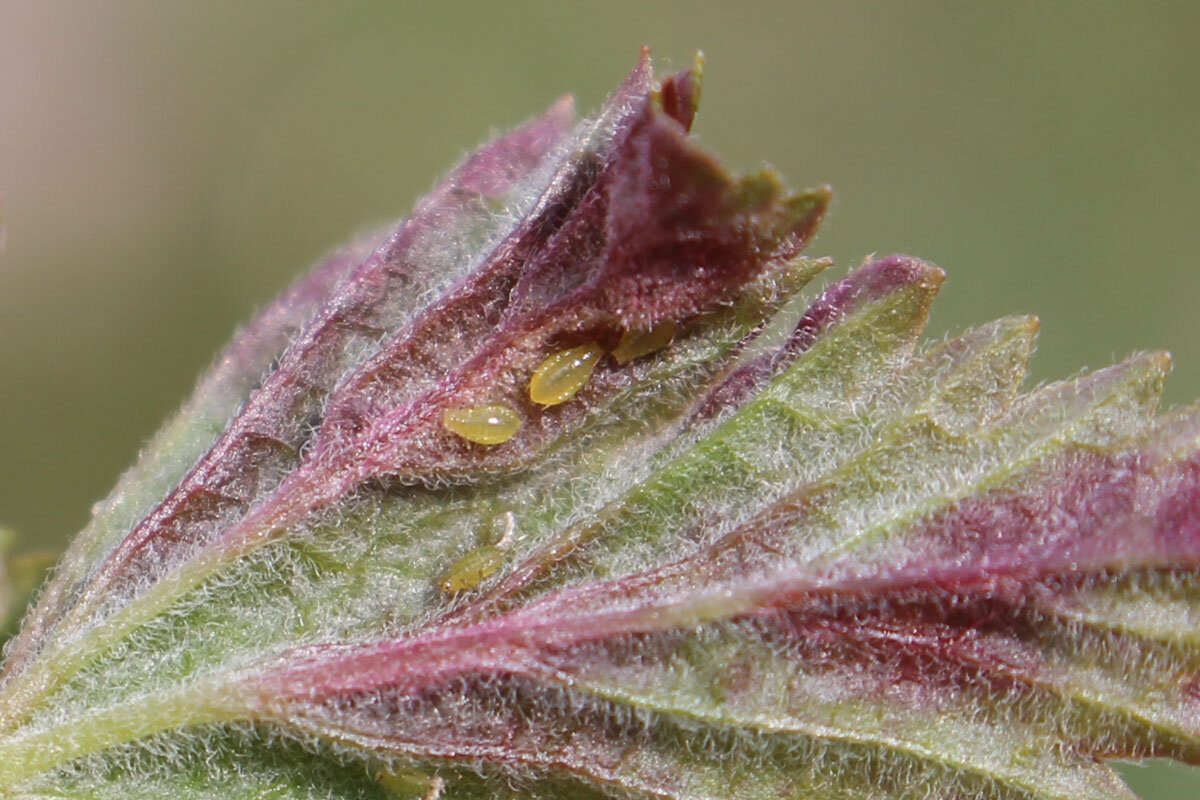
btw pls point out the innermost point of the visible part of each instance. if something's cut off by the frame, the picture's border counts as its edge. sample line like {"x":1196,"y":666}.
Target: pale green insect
{"x":472,"y":569}
{"x":412,"y":783}
{"x":563,"y":374}
{"x":482,"y":424}
{"x":481,"y":563}
{"x":635,"y":344}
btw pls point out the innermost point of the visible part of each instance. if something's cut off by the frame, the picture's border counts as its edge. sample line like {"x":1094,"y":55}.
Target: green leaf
{"x":755,"y":548}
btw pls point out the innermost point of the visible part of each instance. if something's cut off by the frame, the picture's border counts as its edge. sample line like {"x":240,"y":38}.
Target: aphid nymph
{"x":482,"y":424}
{"x":563,"y":374}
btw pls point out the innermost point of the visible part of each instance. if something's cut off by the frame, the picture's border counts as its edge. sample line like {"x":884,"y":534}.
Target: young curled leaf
{"x":551,"y":491}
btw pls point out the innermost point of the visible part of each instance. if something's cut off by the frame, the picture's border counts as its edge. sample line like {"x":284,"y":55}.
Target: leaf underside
{"x":785,"y":551}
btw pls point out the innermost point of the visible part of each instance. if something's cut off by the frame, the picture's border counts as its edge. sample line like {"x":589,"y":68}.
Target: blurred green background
{"x":167,"y":167}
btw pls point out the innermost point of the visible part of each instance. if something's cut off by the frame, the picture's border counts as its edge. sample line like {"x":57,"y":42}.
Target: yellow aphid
{"x":482,"y":424}
{"x":563,"y":374}
{"x":472,"y":569}
{"x":635,"y":344}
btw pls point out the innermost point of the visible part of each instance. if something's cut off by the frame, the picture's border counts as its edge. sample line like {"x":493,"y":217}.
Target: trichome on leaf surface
{"x":551,"y":491}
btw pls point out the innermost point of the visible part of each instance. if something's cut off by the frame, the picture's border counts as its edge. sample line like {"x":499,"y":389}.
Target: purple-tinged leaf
{"x":549,"y":490}
{"x":187,"y":437}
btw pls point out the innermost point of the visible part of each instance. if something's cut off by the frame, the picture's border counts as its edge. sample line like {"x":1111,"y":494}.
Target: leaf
{"x":726,"y":547}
